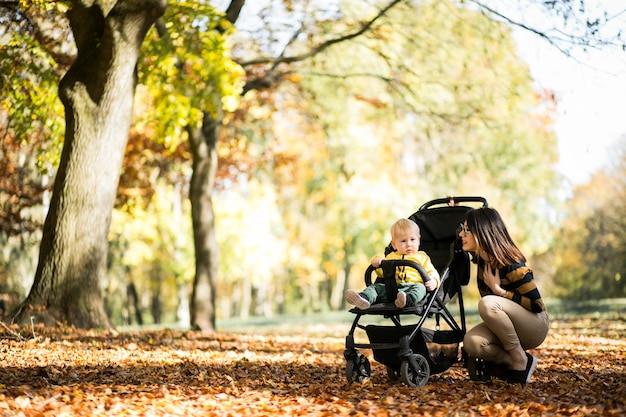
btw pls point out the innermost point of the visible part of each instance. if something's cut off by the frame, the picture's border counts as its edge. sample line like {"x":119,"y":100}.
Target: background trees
{"x":405,"y":120}
{"x":590,"y":246}
{"x":336,"y":118}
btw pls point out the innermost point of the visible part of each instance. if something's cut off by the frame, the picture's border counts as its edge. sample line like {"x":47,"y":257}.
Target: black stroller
{"x":412,"y":353}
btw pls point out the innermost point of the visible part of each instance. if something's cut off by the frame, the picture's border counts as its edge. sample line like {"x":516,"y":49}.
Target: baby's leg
{"x":414,"y":293}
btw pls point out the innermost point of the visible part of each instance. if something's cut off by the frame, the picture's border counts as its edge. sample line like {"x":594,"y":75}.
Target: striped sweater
{"x":518,"y":281}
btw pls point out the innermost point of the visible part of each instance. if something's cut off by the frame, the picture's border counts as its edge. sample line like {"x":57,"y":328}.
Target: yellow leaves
{"x":178,"y":373}
{"x":46,"y":5}
{"x":230,"y":103}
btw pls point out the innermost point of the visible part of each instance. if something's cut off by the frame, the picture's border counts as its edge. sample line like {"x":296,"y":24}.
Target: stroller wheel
{"x":358,"y":370}
{"x":393,"y":373}
{"x":415,"y":376}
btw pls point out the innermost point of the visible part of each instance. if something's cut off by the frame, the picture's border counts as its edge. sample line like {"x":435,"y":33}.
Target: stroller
{"x":412,"y":353}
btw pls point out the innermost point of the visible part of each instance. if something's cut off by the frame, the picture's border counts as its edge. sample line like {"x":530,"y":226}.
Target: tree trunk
{"x":97,"y":93}
{"x":204,"y":149}
{"x":132,"y":304}
{"x":245,"y":303}
{"x":339,"y":288}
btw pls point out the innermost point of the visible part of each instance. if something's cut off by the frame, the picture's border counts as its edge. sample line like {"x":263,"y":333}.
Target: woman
{"x":514,"y":316}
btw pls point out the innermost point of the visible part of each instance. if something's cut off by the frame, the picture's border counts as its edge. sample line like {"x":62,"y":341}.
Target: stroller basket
{"x":442,"y":345}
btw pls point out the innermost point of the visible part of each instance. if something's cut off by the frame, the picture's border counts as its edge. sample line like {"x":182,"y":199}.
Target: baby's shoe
{"x":355,"y":299}
{"x":400,"y":300}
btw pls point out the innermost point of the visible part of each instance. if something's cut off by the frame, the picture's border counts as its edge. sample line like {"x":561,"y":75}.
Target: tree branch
{"x":271,"y":76}
{"x":325,"y":45}
{"x":51,"y":44}
{"x":588,"y":40}
{"x":234,"y":9}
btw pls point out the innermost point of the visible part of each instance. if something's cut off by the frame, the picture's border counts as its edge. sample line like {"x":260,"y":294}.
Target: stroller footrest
{"x":389,"y":309}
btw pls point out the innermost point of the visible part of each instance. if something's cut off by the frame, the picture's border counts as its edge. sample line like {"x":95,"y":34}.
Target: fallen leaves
{"x":181,"y":373}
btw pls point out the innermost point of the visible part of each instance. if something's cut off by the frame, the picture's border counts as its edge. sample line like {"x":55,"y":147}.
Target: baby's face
{"x":406,"y":242}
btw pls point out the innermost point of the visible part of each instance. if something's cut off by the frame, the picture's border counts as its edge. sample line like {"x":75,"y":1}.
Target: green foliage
{"x":28,"y":83}
{"x":591,"y":259}
{"x":187,"y":70}
{"x":185,"y":73}
{"x":32,"y":126}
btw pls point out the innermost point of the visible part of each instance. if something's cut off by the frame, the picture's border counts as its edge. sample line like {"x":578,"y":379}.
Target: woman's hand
{"x":492,"y":279}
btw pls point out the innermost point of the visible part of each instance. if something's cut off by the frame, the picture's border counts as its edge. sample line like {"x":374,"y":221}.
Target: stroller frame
{"x":412,"y":353}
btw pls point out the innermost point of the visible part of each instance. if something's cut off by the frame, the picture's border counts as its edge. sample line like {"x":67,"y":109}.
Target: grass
{"x":337,"y":323}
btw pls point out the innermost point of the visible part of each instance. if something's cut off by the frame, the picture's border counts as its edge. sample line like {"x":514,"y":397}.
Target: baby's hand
{"x":376,"y":261}
{"x":431,"y":284}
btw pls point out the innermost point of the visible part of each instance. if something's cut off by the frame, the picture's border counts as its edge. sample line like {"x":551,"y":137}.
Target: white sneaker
{"x":356,"y":300}
{"x":400,"y":300}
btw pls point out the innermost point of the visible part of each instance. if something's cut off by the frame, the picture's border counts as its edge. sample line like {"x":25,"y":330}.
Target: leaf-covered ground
{"x":62,"y":372}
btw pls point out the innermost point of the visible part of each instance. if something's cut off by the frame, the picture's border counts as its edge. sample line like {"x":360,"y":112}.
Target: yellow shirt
{"x":408,"y":275}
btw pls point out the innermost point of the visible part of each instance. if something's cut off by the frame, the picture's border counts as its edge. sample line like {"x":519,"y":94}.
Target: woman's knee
{"x":488,"y":306}
{"x":471,"y":345}
{"x":474,"y":341}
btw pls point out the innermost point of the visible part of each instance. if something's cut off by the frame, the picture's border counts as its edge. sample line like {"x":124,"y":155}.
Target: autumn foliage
{"x":65,"y":372}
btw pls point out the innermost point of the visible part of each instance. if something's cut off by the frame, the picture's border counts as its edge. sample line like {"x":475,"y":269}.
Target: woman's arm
{"x":520,"y":284}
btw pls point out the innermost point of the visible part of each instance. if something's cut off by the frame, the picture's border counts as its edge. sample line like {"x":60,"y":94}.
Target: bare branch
{"x":557,"y":38}
{"x":325,"y":45}
{"x":271,"y":75}
{"x":17,"y":335}
{"x":521,"y":25}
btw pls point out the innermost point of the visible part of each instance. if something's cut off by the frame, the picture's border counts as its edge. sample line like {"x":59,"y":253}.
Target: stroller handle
{"x":392,"y":265}
{"x":448,"y":201}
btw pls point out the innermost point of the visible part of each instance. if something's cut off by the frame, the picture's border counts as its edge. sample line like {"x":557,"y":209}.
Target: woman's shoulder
{"x":518,"y":269}
{"x":515,"y":265}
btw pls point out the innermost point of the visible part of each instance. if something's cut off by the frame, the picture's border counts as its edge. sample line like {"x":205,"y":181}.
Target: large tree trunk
{"x":97,"y":93}
{"x":204,"y":149}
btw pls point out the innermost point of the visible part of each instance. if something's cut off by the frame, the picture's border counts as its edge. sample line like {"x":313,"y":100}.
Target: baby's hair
{"x":404,"y":224}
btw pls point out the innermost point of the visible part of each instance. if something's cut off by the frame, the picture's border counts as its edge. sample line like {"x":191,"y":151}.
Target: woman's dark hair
{"x":492,"y":238}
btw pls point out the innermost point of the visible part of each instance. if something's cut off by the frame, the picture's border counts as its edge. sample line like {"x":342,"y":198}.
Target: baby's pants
{"x":376,"y":293}
{"x":505,"y":326}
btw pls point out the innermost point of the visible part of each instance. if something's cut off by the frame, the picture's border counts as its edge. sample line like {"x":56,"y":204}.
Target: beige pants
{"x":506,"y":325}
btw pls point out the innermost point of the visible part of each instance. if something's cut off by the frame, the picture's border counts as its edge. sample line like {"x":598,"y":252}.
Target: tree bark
{"x":204,"y":150}
{"x":132,"y":303}
{"x":97,"y":93}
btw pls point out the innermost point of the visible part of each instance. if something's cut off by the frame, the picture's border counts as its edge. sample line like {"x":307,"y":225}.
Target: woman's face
{"x":468,"y":239}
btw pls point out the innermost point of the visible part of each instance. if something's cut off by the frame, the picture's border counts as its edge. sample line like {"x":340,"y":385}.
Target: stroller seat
{"x":388,"y":308}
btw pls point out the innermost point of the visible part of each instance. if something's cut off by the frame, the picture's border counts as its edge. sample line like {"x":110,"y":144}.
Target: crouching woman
{"x":514,"y":317}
